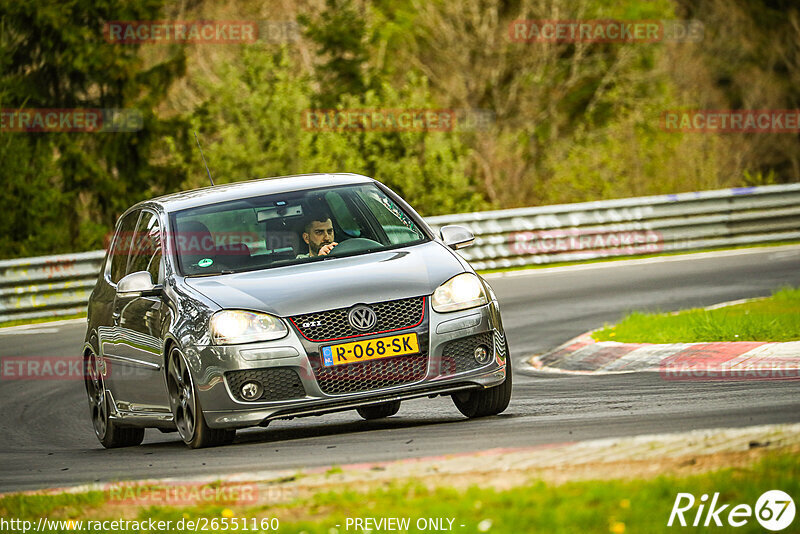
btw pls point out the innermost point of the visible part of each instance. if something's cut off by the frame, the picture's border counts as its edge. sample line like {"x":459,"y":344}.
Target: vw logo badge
{"x":362,"y":318}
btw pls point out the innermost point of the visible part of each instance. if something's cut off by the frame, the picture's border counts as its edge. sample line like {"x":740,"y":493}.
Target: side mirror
{"x":456,"y":237}
{"x":138,"y":284}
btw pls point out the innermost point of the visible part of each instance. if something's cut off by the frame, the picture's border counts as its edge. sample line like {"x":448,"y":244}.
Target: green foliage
{"x":65,"y":190}
{"x":574,"y":121}
{"x":251,"y":127}
{"x":255,"y":126}
{"x":340,"y":34}
{"x":773,"y":319}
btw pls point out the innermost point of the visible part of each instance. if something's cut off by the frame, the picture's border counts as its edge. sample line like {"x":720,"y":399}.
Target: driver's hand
{"x":325,"y":250}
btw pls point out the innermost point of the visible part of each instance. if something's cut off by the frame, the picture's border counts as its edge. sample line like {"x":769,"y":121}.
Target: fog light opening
{"x":251,"y":390}
{"x":482,"y":355}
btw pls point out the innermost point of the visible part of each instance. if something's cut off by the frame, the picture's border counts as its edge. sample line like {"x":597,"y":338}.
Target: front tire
{"x":379,"y":411}
{"x":110,"y":434}
{"x":489,"y":401}
{"x":186,"y":410}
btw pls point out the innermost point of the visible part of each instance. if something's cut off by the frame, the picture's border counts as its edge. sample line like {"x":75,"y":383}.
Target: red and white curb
{"x":743,"y":359}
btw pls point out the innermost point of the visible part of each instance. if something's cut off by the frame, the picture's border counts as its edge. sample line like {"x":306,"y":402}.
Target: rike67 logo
{"x":774,"y":510}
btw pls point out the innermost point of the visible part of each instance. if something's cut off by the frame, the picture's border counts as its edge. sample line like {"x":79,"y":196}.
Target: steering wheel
{"x":355,"y":244}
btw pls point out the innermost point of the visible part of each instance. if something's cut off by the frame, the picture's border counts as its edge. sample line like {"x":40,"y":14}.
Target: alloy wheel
{"x":96,"y":391}
{"x":181,"y":395}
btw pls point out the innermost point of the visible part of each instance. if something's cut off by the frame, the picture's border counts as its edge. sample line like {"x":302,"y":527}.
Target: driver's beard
{"x":322,"y":244}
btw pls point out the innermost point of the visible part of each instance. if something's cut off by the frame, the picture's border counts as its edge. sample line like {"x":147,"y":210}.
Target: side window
{"x":146,"y":250}
{"x":154,"y":268}
{"x":121,"y":246}
{"x":398,"y":226}
{"x":342,"y":214}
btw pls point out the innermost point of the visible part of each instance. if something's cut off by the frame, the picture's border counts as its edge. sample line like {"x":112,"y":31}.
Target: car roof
{"x":252,"y":188}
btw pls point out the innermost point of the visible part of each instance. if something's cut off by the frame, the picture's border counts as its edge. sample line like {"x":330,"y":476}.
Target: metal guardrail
{"x":47,"y":286}
{"x":60,"y":285}
{"x":630,"y":226}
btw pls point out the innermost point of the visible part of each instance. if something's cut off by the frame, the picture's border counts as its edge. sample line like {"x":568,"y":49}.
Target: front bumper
{"x":212,"y":367}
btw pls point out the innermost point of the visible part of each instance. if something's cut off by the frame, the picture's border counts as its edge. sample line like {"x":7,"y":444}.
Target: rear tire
{"x":379,"y":411}
{"x":489,"y":401}
{"x":186,"y":410}
{"x":110,"y":434}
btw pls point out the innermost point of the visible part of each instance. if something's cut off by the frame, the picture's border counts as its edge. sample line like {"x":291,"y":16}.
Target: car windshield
{"x":289,"y":228}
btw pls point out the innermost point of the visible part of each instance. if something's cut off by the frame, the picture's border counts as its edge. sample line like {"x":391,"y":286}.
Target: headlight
{"x":461,"y":292}
{"x":229,"y":327}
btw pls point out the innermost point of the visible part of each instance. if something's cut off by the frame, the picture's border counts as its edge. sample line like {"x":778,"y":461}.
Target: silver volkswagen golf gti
{"x":230,"y":306}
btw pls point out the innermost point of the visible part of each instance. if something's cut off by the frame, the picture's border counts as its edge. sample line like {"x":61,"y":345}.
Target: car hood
{"x":334,"y":283}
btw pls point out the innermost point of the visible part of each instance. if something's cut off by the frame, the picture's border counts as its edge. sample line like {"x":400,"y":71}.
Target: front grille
{"x":279,"y":383}
{"x":372,"y":374}
{"x":333,"y":324}
{"x":458,"y":356}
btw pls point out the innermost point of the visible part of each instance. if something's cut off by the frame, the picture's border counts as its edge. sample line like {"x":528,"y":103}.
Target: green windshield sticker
{"x":205,"y":262}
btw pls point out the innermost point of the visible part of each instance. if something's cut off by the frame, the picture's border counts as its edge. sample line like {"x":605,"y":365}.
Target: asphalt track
{"x":46,"y":437}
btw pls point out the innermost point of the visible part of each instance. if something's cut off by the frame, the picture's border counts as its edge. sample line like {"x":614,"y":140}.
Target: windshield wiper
{"x":203,"y":275}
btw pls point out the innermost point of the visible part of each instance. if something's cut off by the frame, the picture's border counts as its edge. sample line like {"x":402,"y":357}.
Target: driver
{"x":318,"y":235}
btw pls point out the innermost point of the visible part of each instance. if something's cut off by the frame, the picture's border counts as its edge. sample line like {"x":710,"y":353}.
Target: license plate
{"x":373,"y":349}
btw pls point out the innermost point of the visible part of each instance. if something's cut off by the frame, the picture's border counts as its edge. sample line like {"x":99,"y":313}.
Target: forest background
{"x":546,"y":122}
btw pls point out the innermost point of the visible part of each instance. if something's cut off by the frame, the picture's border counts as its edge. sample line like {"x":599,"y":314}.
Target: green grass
{"x":636,"y":257}
{"x":60,"y":505}
{"x":776,"y":318}
{"x":334,"y":470}
{"x":633,"y":506}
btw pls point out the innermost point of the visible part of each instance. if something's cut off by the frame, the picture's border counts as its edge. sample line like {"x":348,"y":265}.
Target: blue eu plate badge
{"x":327,"y":356}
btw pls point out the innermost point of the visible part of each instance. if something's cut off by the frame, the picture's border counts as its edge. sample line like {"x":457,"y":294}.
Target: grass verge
{"x":616,"y":506}
{"x":776,"y":318}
